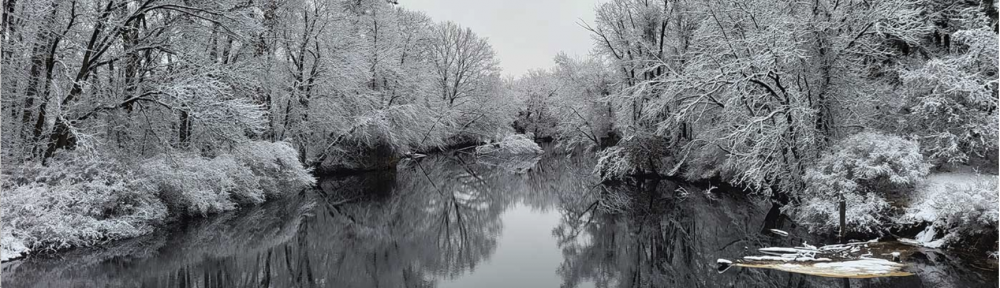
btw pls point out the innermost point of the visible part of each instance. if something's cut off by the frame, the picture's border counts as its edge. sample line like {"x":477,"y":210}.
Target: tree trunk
{"x":184,"y":133}
{"x":39,"y":58}
{"x":8,"y":20}
{"x":61,"y":138}
{"x":49,"y":60}
{"x":34,"y":76}
{"x":133,"y":60}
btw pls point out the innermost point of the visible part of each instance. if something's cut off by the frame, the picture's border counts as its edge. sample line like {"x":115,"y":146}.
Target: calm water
{"x":449,"y":221}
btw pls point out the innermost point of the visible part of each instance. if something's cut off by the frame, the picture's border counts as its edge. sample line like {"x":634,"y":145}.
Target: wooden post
{"x":843,"y":222}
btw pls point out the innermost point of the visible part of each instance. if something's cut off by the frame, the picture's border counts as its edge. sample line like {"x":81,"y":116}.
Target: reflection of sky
{"x":526,"y":256}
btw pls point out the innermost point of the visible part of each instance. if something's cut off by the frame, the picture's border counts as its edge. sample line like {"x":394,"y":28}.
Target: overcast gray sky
{"x":526,"y":34}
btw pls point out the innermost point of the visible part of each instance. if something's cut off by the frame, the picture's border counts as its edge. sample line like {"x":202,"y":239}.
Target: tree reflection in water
{"x":650,"y":235}
{"x":659,"y":233}
{"x":437,"y":218}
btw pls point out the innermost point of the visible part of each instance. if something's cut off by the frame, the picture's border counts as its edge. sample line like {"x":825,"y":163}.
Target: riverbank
{"x":82,"y":200}
{"x":108,"y":202}
{"x":391,"y":229}
{"x":90,"y":198}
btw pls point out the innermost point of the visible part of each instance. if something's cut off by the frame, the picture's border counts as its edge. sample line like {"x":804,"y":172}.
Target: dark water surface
{"x":449,"y":221}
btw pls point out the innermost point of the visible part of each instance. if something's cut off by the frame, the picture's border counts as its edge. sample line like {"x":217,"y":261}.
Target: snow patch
{"x":786,"y":258}
{"x":927,"y":235}
{"x":861,"y":266}
{"x":774,"y":250}
{"x":926,"y":239}
{"x":807,"y":246}
{"x":12,"y":248}
{"x":767,"y":258}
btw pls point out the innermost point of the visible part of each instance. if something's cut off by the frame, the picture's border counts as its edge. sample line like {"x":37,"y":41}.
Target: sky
{"x":526,"y":34}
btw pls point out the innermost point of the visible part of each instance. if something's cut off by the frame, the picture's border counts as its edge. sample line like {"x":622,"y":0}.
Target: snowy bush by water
{"x":861,"y":170}
{"x":79,"y":199}
{"x":195,"y":185}
{"x":962,"y":204}
{"x":275,"y":167}
{"x":254,"y":172}
{"x":86,"y":198}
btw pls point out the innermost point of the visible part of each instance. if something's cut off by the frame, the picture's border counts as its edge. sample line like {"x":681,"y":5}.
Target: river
{"x":459,"y":221}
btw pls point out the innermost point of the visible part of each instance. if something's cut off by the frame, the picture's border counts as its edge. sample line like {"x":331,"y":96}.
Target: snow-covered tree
{"x":748,"y":90}
{"x":463,"y":62}
{"x":950,"y":102}
{"x":537,"y":91}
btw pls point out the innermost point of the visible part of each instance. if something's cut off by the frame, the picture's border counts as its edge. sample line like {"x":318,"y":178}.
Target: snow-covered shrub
{"x":191,"y":184}
{"x":275,"y":167}
{"x":82,"y":198}
{"x":252,"y":173}
{"x":866,"y":162}
{"x":78,"y":200}
{"x":514,"y":144}
{"x":965,"y":208}
{"x":859,"y":170}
